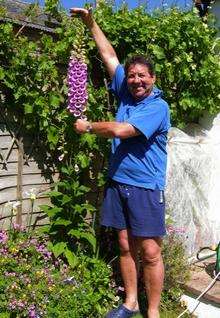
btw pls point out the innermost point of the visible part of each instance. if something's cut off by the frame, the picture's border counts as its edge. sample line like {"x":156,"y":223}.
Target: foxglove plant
{"x":77,"y":77}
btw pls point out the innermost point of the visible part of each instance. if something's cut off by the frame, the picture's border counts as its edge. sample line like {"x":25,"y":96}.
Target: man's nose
{"x":137,"y":79}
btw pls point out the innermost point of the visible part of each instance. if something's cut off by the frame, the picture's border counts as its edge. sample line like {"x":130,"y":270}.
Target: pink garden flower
{"x":17,"y":304}
{"x":77,"y":83}
{"x":3,"y":237}
{"x":12,"y":274}
{"x":175,"y":230}
{"x":18,"y":227}
{"x":77,"y":75}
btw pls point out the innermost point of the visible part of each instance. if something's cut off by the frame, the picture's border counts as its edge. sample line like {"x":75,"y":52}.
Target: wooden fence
{"x":25,"y":173}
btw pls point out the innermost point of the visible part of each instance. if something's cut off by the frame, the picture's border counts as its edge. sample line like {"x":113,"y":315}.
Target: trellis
{"x":21,"y":169}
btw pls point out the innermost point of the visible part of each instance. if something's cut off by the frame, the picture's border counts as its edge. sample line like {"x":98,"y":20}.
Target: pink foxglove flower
{"x":77,"y":82}
{"x":77,"y":76}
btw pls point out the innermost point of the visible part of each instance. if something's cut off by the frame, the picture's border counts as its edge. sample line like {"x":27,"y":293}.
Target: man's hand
{"x":86,"y":15}
{"x":105,"y":48}
{"x":81,"y":126}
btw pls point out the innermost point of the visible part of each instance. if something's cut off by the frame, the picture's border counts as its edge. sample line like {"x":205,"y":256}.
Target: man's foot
{"x":131,"y":305}
{"x":122,"y":312}
{"x":153,"y":313}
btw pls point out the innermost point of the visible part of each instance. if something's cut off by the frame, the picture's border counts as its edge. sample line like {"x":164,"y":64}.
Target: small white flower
{"x":33,"y":196}
{"x":12,"y":205}
{"x":60,"y":158}
{"x":32,"y":193}
{"x":76,"y":168}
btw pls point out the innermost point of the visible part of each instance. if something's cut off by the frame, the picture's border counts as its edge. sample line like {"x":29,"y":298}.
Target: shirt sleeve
{"x":118,"y":84}
{"x":150,"y":119}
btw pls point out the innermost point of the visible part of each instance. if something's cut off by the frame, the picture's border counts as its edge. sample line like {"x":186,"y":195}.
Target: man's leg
{"x":129,"y":268}
{"x":153,"y":273}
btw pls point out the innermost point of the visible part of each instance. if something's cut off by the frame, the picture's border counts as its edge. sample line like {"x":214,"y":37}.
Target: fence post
{"x":19,"y":180}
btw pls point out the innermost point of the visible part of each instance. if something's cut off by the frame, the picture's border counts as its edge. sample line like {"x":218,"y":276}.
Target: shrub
{"x":177,"y":269}
{"x":33,"y":283}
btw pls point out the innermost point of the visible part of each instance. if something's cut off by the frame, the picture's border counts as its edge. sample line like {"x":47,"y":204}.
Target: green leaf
{"x":2,"y":75}
{"x":75,"y":233}
{"x":54,"y":194}
{"x":54,"y":101}
{"x":50,"y":211}
{"x":158,"y":52}
{"x":54,"y":211}
{"x":172,"y":43}
{"x":44,"y":229}
{"x":90,"y":140}
{"x":80,"y":190}
{"x":88,"y":207}
{"x":83,"y":160}
{"x":90,"y":238}
{"x":59,"y":248}
{"x":62,"y":222}
{"x":28,"y":109}
{"x":66,"y":170}
{"x":83,"y":189}
{"x":66,"y":199}
{"x":53,"y":135}
{"x":50,"y":246}
{"x":45,"y":207}
{"x":71,"y":258}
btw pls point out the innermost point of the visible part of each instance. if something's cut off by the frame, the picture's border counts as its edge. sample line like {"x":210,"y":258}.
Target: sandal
{"x":122,"y":312}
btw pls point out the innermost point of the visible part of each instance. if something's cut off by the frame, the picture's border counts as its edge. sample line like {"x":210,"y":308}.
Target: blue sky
{"x":151,"y":4}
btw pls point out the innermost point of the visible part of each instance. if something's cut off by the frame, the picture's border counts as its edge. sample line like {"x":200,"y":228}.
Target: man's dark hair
{"x":140,"y":59}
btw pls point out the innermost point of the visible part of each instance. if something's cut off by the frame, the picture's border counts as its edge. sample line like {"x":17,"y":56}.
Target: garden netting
{"x":193,"y":184}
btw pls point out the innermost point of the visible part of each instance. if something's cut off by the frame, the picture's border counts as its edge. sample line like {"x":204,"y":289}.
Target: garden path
{"x":201,"y":277}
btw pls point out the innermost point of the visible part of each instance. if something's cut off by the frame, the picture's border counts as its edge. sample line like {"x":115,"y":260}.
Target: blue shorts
{"x":138,"y":209}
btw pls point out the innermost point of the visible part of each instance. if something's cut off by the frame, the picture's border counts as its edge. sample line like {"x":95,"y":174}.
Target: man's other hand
{"x":81,"y":126}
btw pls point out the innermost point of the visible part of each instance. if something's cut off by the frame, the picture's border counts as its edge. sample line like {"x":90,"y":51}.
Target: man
{"x":134,"y":200}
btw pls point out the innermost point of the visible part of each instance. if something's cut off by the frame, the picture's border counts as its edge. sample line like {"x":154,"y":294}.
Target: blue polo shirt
{"x":140,"y":161}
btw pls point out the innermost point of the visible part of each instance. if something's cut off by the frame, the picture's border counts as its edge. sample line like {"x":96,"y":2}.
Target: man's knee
{"x":151,"y":254}
{"x":151,"y":258}
{"x":124,"y":243}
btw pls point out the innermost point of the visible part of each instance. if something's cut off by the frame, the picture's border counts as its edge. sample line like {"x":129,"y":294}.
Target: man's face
{"x":139,"y":81}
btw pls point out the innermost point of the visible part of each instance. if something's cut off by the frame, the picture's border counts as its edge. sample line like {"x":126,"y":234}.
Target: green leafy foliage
{"x":177,"y":269}
{"x":35,"y":282}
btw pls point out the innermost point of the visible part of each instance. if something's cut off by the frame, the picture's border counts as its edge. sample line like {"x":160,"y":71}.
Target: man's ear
{"x":154,"y":78}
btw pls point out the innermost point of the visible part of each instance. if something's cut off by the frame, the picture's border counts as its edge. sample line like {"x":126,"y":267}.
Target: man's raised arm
{"x":105,"y":48}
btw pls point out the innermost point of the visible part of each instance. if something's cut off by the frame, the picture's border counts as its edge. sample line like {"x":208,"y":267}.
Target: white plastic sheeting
{"x":193,"y":184}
